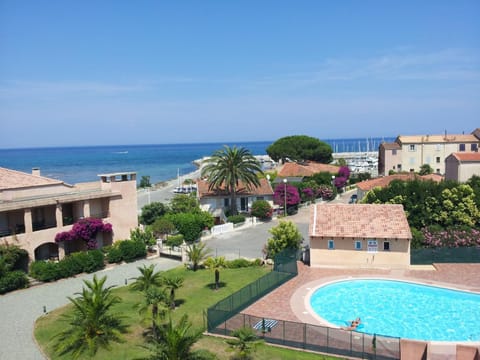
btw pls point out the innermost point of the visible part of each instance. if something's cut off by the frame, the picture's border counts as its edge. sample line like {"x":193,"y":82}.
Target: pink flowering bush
{"x":325,"y":192}
{"x":293,"y":197}
{"x":308,"y":194}
{"x":452,"y":238}
{"x":86,"y":230}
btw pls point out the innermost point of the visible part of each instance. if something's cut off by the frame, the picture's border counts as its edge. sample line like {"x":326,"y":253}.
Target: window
{"x":260,"y":198}
{"x":412,"y":170}
{"x":394,"y":152}
{"x":437,"y":159}
{"x":331,"y":244}
{"x":411,"y":147}
{"x":438,"y":171}
{"x":473,"y":147}
{"x":399,"y":167}
{"x":386,"y":246}
{"x":226,"y":202}
{"x":358,"y":245}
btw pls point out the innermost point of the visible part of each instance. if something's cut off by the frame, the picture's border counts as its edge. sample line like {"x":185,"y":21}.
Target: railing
{"x":284,"y":269}
{"x":315,"y":338}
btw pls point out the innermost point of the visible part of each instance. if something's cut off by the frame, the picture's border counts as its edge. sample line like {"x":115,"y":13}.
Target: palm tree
{"x":174,"y":341}
{"x":148,"y":278}
{"x":227,"y":167}
{"x":172,"y":283}
{"x":155,"y":303}
{"x":216,"y":264}
{"x":197,"y":253}
{"x":245,"y":340}
{"x":91,"y":323}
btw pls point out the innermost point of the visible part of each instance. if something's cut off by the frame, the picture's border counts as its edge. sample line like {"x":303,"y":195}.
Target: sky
{"x":151,"y":72}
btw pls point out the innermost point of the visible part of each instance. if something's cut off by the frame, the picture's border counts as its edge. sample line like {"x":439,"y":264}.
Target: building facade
{"x":217,"y":201}
{"x":33,"y":209}
{"x":360,"y":235}
{"x":409,"y":153}
{"x":462,"y":166}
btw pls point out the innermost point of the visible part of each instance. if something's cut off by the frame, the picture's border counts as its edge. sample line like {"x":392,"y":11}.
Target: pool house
{"x":359,"y":235}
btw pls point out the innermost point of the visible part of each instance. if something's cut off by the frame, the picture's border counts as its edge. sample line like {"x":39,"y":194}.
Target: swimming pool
{"x":401,"y":309}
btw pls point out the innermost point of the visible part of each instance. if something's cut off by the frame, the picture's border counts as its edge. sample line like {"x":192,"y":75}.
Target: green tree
{"x":284,"y":235}
{"x":227,"y":167}
{"x":91,"y":324}
{"x":151,"y":212}
{"x":174,"y":341}
{"x":215,"y":264}
{"x":244,"y":342}
{"x":155,"y":304}
{"x":300,"y":148}
{"x":145,"y":182}
{"x":148,"y":278}
{"x":172,"y":283}
{"x":197,"y":253}
{"x":162,"y":227}
{"x":182,"y":203}
{"x":190,"y":225}
{"x":425,"y":169}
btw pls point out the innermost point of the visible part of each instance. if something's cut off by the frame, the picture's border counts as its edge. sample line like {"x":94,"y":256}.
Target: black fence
{"x":315,"y":338}
{"x":285,"y":268}
{"x":445,"y":255}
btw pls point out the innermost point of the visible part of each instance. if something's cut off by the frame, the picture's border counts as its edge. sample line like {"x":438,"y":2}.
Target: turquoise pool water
{"x":401,"y":309}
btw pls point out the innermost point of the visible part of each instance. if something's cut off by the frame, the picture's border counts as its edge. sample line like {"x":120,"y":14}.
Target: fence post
{"x":328,"y":338}
{"x":304,"y":335}
{"x":283,"y":337}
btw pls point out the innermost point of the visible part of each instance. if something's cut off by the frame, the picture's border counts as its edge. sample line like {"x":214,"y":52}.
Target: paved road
{"x":20,"y":309}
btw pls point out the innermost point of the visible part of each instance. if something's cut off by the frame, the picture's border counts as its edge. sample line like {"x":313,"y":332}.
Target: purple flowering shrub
{"x":293,"y":197}
{"x":325,"y":192}
{"x":344,"y":172}
{"x":452,"y":238}
{"x":86,"y":230}
{"x":308,"y":194}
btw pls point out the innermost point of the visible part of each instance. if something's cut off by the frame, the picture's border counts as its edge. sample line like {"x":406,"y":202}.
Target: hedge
{"x":126,"y":250}
{"x":13,"y":280}
{"x":75,"y":263}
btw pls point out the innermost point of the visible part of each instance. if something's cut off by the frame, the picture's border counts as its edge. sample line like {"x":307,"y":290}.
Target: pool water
{"x":401,"y":309}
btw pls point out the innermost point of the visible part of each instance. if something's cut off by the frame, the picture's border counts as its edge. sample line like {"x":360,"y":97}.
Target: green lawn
{"x":195,"y":296}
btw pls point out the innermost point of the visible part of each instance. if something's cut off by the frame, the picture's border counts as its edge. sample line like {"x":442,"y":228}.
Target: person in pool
{"x":353,"y":324}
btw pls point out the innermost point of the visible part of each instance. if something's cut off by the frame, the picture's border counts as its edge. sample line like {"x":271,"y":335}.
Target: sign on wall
{"x":372,"y":246}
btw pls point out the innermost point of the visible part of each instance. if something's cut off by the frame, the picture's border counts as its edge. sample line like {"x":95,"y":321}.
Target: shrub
{"x":238,"y":263}
{"x":86,"y":230}
{"x":45,"y":271}
{"x":114,"y":255}
{"x":174,"y":240}
{"x":131,"y":250}
{"x":13,"y":280}
{"x":14,"y":257}
{"x":95,"y":261}
{"x":236,"y":219}
{"x":262,"y":209}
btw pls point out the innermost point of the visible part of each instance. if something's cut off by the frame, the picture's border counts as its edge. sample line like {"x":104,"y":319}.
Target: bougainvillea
{"x":86,"y":230}
{"x":325,"y":192}
{"x":308,"y":194}
{"x":344,"y":172}
{"x":293,"y":197}
{"x":451,"y":238}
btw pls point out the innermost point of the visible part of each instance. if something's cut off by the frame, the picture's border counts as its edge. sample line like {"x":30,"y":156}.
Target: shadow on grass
{"x":221,"y":284}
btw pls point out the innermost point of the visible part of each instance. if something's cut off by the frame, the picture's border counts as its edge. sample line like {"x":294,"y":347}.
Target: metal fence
{"x":284,"y":269}
{"x":316,"y":338}
{"x":445,"y":255}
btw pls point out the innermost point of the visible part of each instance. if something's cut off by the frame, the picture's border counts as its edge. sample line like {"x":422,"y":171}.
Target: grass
{"x":195,"y":296}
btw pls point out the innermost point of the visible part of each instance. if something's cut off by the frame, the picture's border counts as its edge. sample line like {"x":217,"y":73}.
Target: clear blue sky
{"x":137,"y":72}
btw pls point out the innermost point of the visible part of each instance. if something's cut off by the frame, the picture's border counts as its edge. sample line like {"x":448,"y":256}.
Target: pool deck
{"x":290,"y":301}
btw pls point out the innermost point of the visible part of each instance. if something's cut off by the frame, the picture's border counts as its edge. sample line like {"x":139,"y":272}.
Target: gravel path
{"x":20,"y":309}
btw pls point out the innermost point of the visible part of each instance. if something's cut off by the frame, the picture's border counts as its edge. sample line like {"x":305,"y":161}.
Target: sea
{"x":161,"y":162}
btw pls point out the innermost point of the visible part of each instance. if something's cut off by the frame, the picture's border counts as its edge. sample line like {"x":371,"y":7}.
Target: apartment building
{"x":33,"y":209}
{"x":409,"y":153}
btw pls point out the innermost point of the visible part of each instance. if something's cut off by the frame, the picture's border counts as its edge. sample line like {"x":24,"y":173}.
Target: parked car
{"x":353,"y":199}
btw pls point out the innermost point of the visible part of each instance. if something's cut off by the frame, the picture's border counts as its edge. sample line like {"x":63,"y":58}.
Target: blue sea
{"x":161,"y":162}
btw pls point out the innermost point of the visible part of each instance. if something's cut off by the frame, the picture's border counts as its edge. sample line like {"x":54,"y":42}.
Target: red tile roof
{"x":467,"y":156}
{"x":264,"y":189}
{"x":386,"y":221}
{"x":12,"y":179}
{"x":386,"y":180}
{"x":391,"y":146}
{"x":437,"y":139}
{"x":309,"y":168}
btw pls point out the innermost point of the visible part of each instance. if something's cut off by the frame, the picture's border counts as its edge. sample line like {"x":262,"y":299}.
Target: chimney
{"x":36,"y":171}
